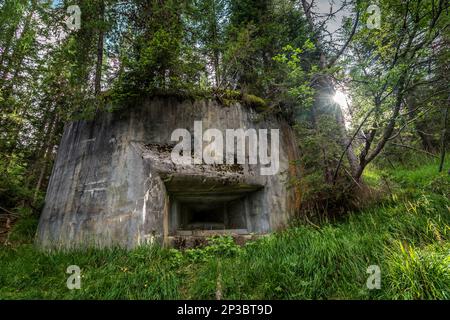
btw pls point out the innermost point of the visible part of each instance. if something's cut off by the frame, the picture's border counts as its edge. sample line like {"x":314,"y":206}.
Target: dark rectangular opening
{"x":200,"y":218}
{"x":211,"y":215}
{"x":198,"y":206}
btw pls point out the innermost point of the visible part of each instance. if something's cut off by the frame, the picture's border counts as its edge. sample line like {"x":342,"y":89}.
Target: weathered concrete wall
{"x":110,"y":179}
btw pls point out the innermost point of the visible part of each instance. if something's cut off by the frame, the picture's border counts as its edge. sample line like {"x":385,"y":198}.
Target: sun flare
{"x":341,"y":98}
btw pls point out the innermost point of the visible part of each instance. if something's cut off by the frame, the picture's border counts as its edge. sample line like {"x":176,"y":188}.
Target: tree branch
{"x":344,"y":47}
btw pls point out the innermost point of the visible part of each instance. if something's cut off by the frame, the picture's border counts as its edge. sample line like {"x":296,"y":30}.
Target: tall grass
{"x":406,"y":235}
{"x":331,"y":262}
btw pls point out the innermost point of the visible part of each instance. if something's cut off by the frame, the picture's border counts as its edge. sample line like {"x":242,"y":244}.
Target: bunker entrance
{"x":211,"y":216}
{"x":205,"y":210}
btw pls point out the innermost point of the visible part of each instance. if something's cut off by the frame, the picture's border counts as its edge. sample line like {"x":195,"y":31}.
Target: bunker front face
{"x":115,"y":181}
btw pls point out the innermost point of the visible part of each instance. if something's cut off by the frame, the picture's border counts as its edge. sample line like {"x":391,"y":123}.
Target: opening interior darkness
{"x":211,"y":216}
{"x":207,"y":207}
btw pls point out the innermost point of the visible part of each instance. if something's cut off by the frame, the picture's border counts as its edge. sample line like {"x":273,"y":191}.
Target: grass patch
{"x":406,"y":235}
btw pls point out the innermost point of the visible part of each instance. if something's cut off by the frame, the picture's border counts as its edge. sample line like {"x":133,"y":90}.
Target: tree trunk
{"x":444,"y":133}
{"x":98,"y":71}
{"x":327,"y":175}
{"x":365,"y":157}
{"x":425,"y":140}
{"x":216,"y":53}
{"x":345,"y":141}
{"x":20,"y":54}
{"x":47,"y":152}
{"x":6,"y":49}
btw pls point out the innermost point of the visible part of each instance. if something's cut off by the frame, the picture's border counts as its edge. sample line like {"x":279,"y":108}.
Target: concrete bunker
{"x":114,"y":181}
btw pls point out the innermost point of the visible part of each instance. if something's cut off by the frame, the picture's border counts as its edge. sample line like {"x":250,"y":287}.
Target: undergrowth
{"x":406,"y":235}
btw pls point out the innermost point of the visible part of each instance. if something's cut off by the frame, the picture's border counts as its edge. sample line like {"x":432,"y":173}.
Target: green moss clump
{"x":228,"y":97}
{"x":255,"y":102}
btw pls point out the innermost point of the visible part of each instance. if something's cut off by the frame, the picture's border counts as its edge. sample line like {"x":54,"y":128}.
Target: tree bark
{"x":6,"y":49}
{"x":48,"y":147}
{"x":366,"y":157}
{"x":345,"y":141}
{"x":99,"y":64}
{"x":425,"y":140}
{"x":443,"y":138}
{"x":15,"y":54}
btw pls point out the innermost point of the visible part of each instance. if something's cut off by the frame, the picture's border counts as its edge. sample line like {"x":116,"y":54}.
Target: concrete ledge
{"x":187,"y":242}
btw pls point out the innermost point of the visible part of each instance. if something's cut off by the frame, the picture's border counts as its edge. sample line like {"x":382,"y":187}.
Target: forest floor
{"x":406,"y":234}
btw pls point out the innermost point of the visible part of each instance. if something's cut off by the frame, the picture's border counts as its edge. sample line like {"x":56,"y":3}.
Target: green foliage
{"x":299,"y":73}
{"x":257,"y":31}
{"x":162,"y":58}
{"x":110,"y":274}
{"x":418,"y":175}
{"x":395,"y":79}
{"x":440,"y":185}
{"x":314,"y":113}
{"x":12,"y":188}
{"x":25,"y":228}
{"x":320,"y":149}
{"x":419,"y":273}
{"x":219,"y":246}
{"x":253,"y":101}
{"x":331,"y":262}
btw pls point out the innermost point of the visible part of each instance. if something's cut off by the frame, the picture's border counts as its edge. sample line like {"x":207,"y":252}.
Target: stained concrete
{"x":113,"y":181}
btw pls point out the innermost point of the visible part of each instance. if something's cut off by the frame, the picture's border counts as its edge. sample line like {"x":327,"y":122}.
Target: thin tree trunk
{"x":317,"y":103}
{"x":98,"y":71}
{"x":444,"y":133}
{"x":45,"y":132}
{"x":345,"y":141}
{"x":215,"y":44}
{"x":11,"y":62}
{"x":349,"y":144}
{"x":48,"y":150}
{"x":427,"y":144}
{"x":6,"y":49}
{"x":365,"y":157}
